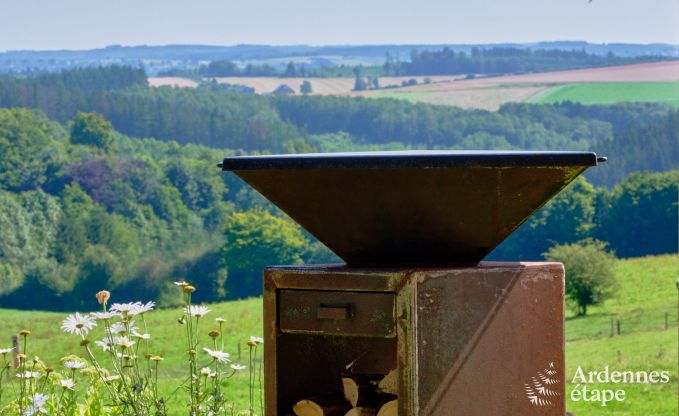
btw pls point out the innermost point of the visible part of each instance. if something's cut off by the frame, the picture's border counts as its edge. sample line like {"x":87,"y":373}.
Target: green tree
{"x":255,"y":239}
{"x":290,"y":70}
{"x":360,"y":84}
{"x":93,"y":130}
{"x":589,"y":271}
{"x":641,"y":215}
{"x":306,"y":87}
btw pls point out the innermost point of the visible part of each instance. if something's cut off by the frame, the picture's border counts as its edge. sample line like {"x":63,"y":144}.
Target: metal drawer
{"x":369,"y":314}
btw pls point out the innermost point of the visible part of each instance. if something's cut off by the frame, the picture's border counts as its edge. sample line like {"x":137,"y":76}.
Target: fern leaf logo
{"x":539,"y":390}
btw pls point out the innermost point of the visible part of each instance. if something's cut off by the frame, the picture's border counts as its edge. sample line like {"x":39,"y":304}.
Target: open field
{"x":320,"y":86}
{"x":464,"y":95}
{"x":646,"y":291}
{"x":489,"y":93}
{"x":611,"y":92}
{"x":666,"y":71}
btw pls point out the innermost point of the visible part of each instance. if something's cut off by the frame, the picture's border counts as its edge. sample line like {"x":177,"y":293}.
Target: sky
{"x":86,"y":24}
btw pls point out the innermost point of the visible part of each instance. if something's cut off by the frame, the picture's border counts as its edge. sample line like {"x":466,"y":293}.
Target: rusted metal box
{"x":466,"y":341}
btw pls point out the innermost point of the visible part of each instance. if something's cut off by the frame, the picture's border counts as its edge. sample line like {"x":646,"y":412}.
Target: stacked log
{"x":362,"y":395}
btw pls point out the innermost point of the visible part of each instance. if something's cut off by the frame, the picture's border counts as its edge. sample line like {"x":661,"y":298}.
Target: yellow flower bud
{"x":103,"y":296}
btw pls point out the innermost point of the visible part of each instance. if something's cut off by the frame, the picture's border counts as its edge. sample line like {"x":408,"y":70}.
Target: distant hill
{"x":160,"y":58}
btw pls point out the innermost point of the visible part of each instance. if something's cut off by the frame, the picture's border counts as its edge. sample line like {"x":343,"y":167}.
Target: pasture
{"x":646,"y":292}
{"x":611,"y":92}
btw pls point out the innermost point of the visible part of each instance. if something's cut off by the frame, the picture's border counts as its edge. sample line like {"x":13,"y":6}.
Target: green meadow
{"x":646,"y":291}
{"x":611,"y":93}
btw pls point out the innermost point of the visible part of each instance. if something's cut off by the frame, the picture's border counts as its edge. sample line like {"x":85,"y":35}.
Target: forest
{"x":104,"y":183}
{"x":255,"y":123}
{"x":501,"y":60}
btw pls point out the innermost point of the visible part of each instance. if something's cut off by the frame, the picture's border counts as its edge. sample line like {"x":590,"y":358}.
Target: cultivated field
{"x":646,"y":292}
{"x":320,"y":86}
{"x":611,"y":92}
{"x":487,"y":93}
{"x":491,"y":92}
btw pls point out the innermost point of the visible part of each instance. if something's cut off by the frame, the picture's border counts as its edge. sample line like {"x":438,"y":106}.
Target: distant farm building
{"x":283,"y":90}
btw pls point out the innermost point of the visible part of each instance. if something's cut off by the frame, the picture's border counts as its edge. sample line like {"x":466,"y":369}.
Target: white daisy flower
{"x":119,"y":327}
{"x":125,"y":308}
{"x":221,"y":356}
{"x":257,"y":340}
{"x":197,"y":311}
{"x":29,"y":375}
{"x":145,"y":337}
{"x":105,"y":344}
{"x":67,"y":383}
{"x":78,"y":324}
{"x":74,"y":365}
{"x":104,"y":315}
{"x":237,"y":367}
{"x":126,"y":356}
{"x":37,"y":401}
{"x":182,"y":283}
{"x":207,"y":372}
{"x":5,"y":351}
{"x":142,"y":308}
{"x":123,"y":342}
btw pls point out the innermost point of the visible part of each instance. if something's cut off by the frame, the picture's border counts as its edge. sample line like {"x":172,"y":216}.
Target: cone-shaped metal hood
{"x":411,"y":208}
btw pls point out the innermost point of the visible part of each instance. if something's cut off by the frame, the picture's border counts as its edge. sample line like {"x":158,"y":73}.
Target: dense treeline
{"x":478,"y":61}
{"x":500,"y":60}
{"x":83,"y":207}
{"x":77,"y":216}
{"x":637,"y":136}
{"x":637,"y":217}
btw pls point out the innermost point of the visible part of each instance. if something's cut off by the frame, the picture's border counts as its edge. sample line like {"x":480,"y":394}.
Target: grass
{"x":646,"y":291}
{"x":652,"y":350}
{"x":243,"y":319}
{"x":611,"y":92}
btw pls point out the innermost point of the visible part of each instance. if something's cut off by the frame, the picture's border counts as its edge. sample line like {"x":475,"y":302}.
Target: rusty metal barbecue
{"x":465,"y":337}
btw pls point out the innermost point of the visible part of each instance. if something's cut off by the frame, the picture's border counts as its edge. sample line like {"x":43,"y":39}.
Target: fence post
{"x":618,"y":326}
{"x":667,"y":320}
{"x":612,"y":328}
{"x":239,"y":350}
{"x":16,"y":351}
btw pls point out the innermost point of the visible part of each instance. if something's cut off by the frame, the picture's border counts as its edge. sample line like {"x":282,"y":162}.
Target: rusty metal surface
{"x":301,"y":365}
{"x":483,"y":335}
{"x":318,"y":312}
{"x":399,"y":217}
{"x":467,"y":339}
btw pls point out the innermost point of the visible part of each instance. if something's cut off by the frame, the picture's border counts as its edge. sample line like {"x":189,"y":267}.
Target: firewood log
{"x":359,"y":389}
{"x":333,"y":405}
{"x":389,"y":384}
{"x":362,"y":411}
{"x":389,"y":408}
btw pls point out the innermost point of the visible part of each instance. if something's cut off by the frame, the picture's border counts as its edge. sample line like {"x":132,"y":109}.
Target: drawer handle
{"x":334,"y":312}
